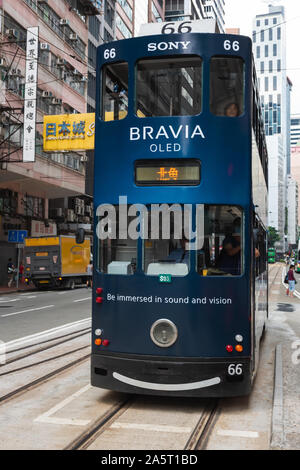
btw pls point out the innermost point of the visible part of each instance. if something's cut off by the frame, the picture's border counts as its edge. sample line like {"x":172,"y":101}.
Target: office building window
{"x":274,"y":20}
{"x":258,"y":52}
{"x":270,"y":34}
{"x":278,"y":33}
{"x":262,"y":67}
{"x":266,"y":84}
{"x":274,"y":50}
{"x":266,"y":51}
{"x":278,"y":65}
{"x":262,"y":35}
{"x":275,"y":83}
{"x":270,"y":66}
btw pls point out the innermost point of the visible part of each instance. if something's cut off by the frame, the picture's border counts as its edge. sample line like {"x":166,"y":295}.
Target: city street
{"x":45,"y":388}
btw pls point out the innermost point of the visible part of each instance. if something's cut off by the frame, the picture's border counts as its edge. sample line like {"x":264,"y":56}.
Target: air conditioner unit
{"x":70,"y":215}
{"x":56,"y":101}
{"x":45,"y":46}
{"x":73,"y":37}
{"x":76,"y":73}
{"x":61,"y":62}
{"x":77,"y":201}
{"x":59,"y":212}
{"x":2,"y":133}
{"x":3,"y":62}
{"x":46,"y":94}
{"x":12,"y":33}
{"x":63,"y":22}
{"x":16,"y":72}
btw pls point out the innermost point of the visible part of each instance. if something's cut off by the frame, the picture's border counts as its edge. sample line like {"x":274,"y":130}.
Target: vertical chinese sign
{"x":32,"y":48}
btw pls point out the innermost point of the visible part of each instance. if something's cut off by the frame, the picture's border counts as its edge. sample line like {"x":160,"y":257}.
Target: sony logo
{"x":163,"y":46}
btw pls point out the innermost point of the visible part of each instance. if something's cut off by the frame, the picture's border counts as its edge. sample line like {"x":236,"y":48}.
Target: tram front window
{"x":165,"y":249}
{"x":169,"y":86}
{"x":114,"y":91}
{"x":222,"y":250}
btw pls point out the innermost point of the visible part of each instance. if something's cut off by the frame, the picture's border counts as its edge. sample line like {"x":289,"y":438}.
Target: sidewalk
{"x":21,"y":288}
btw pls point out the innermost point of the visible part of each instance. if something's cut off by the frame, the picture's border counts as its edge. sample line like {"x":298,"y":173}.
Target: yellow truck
{"x":56,"y":261}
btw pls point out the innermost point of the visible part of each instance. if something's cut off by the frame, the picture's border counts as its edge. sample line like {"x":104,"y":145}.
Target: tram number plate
{"x":235,"y":373}
{"x":165,"y":278}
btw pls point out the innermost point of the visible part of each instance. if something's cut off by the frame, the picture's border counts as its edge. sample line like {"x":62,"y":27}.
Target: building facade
{"x":269,"y":48}
{"x":28,"y":190}
{"x":184,"y":10}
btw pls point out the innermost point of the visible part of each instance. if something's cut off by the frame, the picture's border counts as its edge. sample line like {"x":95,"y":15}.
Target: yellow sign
{"x":69,"y":132}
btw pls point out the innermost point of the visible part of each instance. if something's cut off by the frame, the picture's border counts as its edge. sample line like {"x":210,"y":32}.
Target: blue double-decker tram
{"x":180,"y":262}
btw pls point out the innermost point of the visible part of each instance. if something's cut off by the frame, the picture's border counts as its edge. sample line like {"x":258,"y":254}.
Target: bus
{"x":181,"y":202}
{"x":271,"y":255}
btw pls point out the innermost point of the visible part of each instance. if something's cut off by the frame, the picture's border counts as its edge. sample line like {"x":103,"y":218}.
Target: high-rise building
{"x":295,"y":130}
{"x":181,"y":10}
{"x":269,"y":48}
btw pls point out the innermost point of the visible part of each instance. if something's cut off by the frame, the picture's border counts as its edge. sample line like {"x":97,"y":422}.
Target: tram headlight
{"x":164,"y":333}
{"x":239,"y":338}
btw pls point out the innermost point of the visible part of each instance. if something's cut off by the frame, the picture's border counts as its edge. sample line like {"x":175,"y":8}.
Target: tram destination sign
{"x":167,"y":172}
{"x":208,"y":25}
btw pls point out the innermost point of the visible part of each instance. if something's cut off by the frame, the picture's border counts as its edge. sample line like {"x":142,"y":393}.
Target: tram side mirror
{"x":80,"y":235}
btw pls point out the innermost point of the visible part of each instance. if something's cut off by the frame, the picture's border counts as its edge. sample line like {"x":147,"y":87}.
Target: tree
{"x":273,"y":236}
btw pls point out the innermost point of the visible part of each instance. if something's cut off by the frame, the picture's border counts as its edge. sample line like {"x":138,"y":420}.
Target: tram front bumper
{"x":172,"y":377}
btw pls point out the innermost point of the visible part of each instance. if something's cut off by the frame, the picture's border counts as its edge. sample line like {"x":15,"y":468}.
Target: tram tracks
{"x":56,"y":342}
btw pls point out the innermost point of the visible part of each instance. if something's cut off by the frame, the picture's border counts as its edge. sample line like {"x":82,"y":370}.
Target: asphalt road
{"x":24,"y":314}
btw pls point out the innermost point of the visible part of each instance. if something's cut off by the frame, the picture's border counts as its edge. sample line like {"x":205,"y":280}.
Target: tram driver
{"x":229,"y":260}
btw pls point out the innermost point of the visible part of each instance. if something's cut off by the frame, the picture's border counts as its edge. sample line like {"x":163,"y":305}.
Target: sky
{"x":240,"y":14}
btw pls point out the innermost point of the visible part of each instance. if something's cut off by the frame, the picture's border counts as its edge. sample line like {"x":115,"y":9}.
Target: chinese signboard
{"x":69,"y":132}
{"x":32,"y":47}
{"x":39,"y":229}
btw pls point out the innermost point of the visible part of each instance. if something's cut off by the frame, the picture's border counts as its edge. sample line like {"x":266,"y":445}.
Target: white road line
{"x":81,"y":300}
{"x":152,"y":427}
{"x":231,"y":433}
{"x":45,"y":334}
{"x":25,"y":311}
{"x":11,"y":300}
{"x":47,"y":417}
{"x":277,"y":436}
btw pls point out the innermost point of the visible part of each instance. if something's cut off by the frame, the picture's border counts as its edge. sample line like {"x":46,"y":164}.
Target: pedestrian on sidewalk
{"x":10,"y":272}
{"x":21,"y":273}
{"x":89,"y":271}
{"x":292,"y":281}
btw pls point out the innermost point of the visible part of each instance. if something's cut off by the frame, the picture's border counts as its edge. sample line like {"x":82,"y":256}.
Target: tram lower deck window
{"x":169,"y":86}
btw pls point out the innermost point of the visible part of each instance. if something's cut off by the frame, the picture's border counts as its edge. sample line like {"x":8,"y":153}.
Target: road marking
{"x":277,"y":436}
{"x":45,"y":334}
{"x":47,"y":417}
{"x":81,"y":300}
{"x":231,"y":433}
{"x":25,"y":311}
{"x":11,"y":300}
{"x":152,"y":427}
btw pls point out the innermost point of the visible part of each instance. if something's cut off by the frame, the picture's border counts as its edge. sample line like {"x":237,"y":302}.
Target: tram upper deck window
{"x":114,"y":91}
{"x":169,"y":86}
{"x":227,"y":86}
